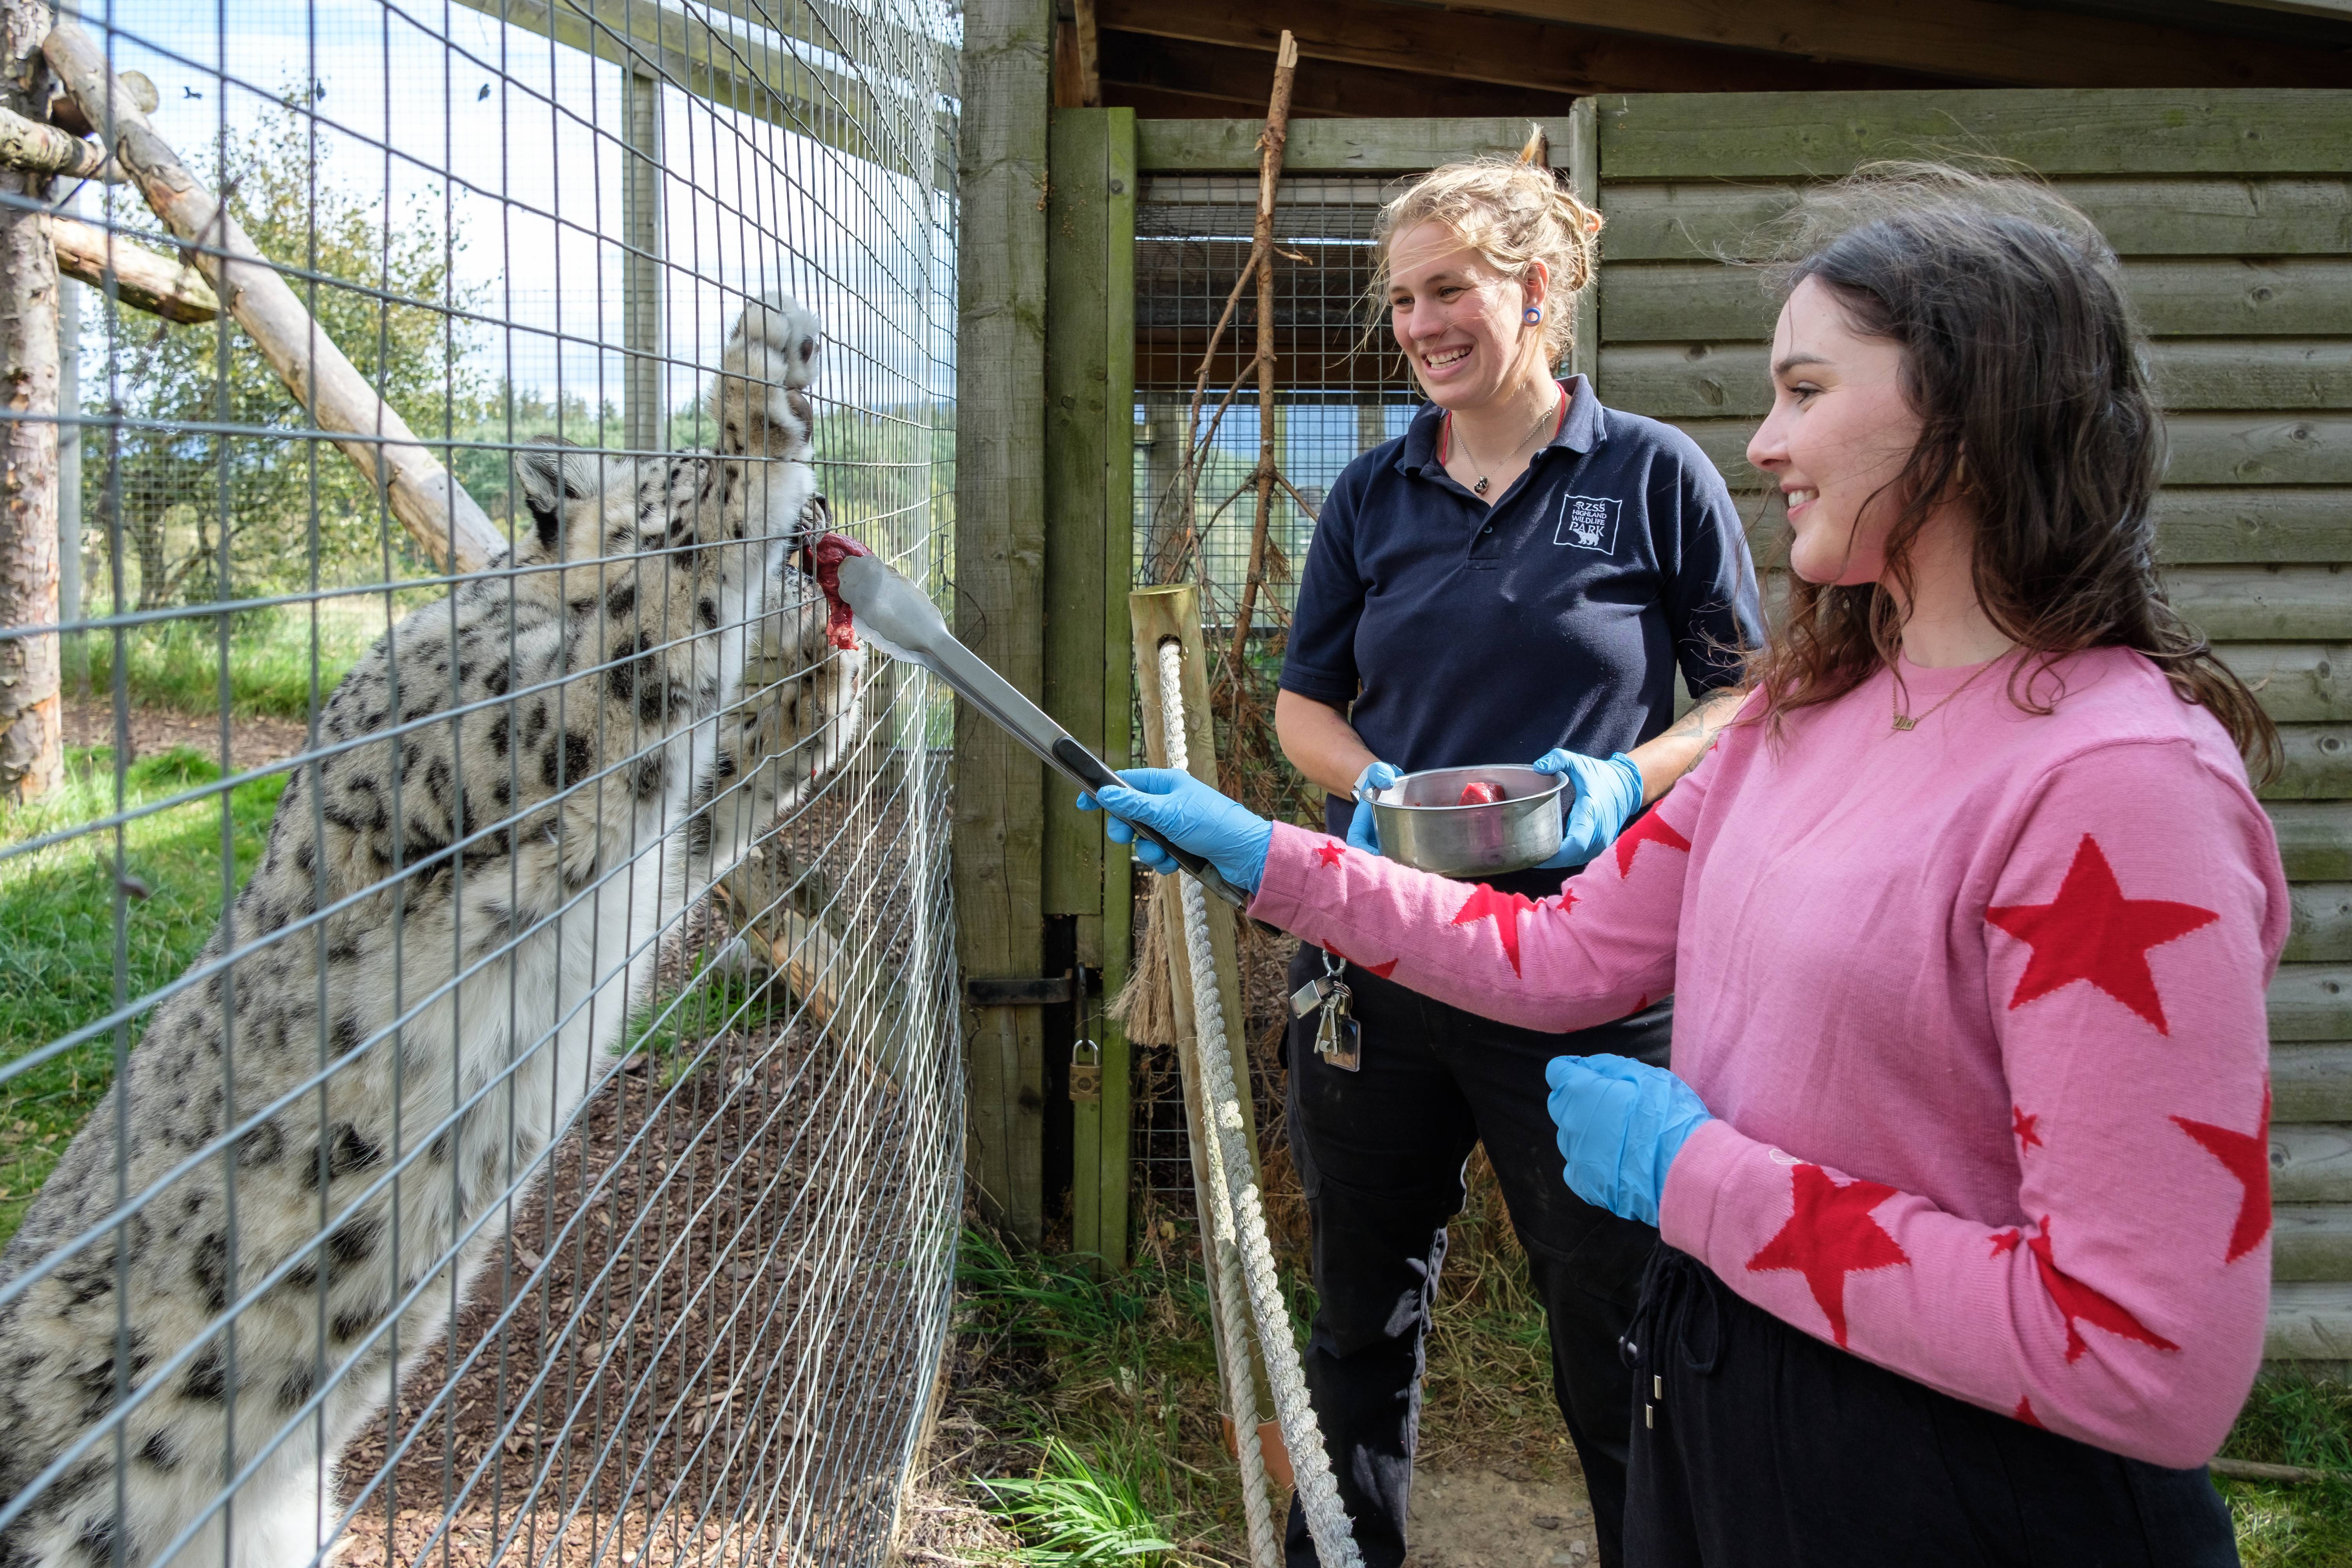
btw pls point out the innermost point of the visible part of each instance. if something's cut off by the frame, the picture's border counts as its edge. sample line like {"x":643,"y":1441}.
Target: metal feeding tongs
{"x":899,"y":618}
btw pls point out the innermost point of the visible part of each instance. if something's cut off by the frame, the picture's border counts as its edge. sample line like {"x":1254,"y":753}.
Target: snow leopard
{"x":462,"y":892}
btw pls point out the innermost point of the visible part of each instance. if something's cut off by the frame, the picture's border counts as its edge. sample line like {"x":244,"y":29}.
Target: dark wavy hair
{"x":2024,"y":361}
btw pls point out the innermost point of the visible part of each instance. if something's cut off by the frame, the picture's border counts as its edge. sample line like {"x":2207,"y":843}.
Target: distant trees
{"x":208,"y":443}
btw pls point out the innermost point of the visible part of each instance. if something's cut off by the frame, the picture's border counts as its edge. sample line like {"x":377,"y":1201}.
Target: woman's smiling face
{"x":1838,"y":437}
{"x":1458,"y":318}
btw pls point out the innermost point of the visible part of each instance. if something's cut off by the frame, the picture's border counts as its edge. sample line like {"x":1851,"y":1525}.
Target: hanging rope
{"x":1238,"y":1230}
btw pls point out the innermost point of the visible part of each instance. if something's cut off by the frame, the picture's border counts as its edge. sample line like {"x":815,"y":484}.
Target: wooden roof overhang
{"x":1377,"y":59}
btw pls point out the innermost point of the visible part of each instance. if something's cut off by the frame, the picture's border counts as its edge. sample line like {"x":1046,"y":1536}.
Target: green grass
{"x":177,"y":664}
{"x":58,"y":934}
{"x":1069,"y":1513}
{"x":1116,"y":1375}
{"x":2293,"y":1420}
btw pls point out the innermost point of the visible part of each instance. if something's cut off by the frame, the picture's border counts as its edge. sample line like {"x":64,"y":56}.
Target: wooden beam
{"x":1090,"y":532}
{"x":1679,"y":381}
{"x":2235,"y":134}
{"x":39,"y":149}
{"x":741,"y":71}
{"x":443,"y":521}
{"x":2312,"y":1081}
{"x":1343,"y":147}
{"x":132,"y":275}
{"x":1496,"y":51}
{"x":998,"y":829}
{"x":2212,"y":216}
{"x":2176,"y":296}
{"x":2025,"y":45}
{"x":2315,"y":841}
{"x":1214,"y":74}
{"x":2319,"y":768}
{"x":2204,"y":450}
{"x":32,"y":738}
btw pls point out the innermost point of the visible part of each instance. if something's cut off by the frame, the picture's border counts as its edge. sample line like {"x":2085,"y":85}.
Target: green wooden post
{"x":1089,"y":418}
{"x":1000,"y":589}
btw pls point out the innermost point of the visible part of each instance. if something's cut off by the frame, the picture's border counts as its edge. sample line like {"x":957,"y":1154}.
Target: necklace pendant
{"x":1480,"y":488}
{"x":1905,"y":722}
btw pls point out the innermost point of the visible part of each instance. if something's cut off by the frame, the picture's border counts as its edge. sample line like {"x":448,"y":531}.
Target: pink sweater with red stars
{"x":1979,"y":1009}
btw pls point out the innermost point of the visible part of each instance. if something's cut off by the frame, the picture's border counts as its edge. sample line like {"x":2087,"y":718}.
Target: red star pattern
{"x":2091,"y":932}
{"x":2024,"y":1412}
{"x":1828,"y":1235}
{"x":2247,"y":1156}
{"x":1382,"y":970}
{"x":2076,"y":1301}
{"x":2023,"y":1126}
{"x":2005,"y":1241}
{"x":1330,"y":852}
{"x":1652,"y":829}
{"x":1506,"y":908}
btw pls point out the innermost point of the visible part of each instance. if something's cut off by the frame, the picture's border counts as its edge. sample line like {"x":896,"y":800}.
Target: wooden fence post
{"x":31,"y":751}
{"x":1089,"y":535}
{"x":1000,"y":585}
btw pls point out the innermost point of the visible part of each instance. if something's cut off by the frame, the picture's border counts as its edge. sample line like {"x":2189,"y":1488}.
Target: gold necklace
{"x":1904,"y":722}
{"x":1485,"y":476}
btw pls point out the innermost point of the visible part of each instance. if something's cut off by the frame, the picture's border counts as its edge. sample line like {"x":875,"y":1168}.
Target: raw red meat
{"x":1480,"y":793}
{"x":825,"y":557}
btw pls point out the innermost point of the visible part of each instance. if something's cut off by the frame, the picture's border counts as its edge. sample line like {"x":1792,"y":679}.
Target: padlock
{"x":1086,"y":1073}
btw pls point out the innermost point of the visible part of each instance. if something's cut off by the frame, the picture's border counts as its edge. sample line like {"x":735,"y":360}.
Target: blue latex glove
{"x":1363,"y":833}
{"x":1622,"y":1123}
{"x":1189,"y":815}
{"x":1608,"y":793}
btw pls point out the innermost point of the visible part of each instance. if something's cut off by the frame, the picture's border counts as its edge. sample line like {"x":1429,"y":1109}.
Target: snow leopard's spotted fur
{"x":427,"y":971}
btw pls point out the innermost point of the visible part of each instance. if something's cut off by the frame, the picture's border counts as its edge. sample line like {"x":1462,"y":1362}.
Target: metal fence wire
{"x":476,"y":1037}
{"x":1340,"y":391}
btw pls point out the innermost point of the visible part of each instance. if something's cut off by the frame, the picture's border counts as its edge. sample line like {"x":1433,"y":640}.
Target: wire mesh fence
{"x":1341,"y":391}
{"x":477,"y":1035}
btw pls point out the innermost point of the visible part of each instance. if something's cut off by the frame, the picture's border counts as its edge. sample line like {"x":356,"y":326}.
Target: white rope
{"x":1239,"y":1223}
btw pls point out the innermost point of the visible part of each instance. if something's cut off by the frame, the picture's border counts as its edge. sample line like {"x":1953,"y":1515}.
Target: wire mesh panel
{"x":476,"y":1069}
{"x":1341,"y":390}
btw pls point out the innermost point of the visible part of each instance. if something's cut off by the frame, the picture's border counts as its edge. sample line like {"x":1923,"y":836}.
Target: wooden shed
{"x":2208,"y":139}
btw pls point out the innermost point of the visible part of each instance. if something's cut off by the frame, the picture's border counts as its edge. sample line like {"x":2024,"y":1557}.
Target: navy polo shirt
{"x":1464,"y":635}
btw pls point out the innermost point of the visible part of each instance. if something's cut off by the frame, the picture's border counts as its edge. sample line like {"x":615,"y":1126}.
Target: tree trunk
{"x":30,"y":753}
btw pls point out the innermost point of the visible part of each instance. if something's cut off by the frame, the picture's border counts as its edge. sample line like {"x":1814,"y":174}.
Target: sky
{"x":447,"y":116}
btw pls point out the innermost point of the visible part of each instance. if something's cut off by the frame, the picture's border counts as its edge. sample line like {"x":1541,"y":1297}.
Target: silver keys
{"x":1336,"y":1034}
{"x":1309,"y":996}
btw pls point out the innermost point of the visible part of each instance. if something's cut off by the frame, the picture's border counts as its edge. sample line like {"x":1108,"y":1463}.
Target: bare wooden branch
{"x":161,"y":285}
{"x":1270,"y":145}
{"x":37,"y":149}
{"x":434,"y":508}
{"x":65,"y":112}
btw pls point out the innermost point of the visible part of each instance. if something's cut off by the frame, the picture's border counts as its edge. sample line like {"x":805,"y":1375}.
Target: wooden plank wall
{"x":2233,"y":216}
{"x":1089,"y":535}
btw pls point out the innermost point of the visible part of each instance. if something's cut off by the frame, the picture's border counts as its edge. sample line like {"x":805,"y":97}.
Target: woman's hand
{"x":1621,"y":1123}
{"x":1188,"y":815}
{"x":1363,"y":832}
{"x":1608,"y":793}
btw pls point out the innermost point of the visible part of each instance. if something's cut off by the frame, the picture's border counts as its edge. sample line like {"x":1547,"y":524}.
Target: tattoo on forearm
{"x":1705,"y":721}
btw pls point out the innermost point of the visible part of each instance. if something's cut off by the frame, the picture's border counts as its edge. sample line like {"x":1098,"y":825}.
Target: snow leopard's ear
{"x":551,"y":474}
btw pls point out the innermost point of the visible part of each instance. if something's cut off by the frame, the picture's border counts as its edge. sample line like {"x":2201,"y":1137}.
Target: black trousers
{"x":1759,"y":1446}
{"x":1381,"y":1153}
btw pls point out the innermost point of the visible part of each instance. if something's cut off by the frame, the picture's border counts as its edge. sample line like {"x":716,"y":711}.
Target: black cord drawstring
{"x":1674,"y":1287}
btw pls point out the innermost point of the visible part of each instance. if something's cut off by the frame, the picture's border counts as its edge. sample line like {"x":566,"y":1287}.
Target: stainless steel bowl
{"x":1420,"y":825}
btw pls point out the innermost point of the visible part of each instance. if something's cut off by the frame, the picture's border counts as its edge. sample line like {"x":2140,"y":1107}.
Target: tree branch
{"x":434,"y":508}
{"x":160,"y":285}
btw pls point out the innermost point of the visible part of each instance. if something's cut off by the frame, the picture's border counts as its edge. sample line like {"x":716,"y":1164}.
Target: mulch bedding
{"x":719,"y":1310}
